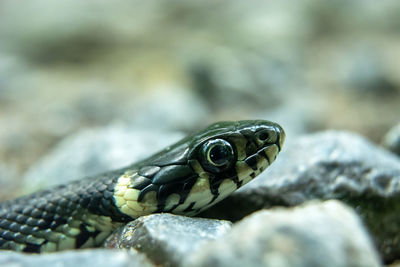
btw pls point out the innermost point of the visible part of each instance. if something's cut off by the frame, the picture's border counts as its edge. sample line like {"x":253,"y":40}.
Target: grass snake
{"x":185,"y":178}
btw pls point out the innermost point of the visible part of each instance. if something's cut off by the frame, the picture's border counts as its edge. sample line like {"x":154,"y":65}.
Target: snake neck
{"x":77,"y":215}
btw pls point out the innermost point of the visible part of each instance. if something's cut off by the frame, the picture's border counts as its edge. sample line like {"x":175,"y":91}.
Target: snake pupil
{"x":219,"y":154}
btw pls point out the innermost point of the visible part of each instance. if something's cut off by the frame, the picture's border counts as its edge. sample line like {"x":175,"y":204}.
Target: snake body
{"x":185,"y":178}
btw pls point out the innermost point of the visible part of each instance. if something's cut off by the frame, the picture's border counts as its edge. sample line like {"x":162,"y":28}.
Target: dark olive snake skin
{"x":185,"y":178}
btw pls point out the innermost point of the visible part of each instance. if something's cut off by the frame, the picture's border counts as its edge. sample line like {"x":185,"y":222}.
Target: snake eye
{"x":218,"y":153}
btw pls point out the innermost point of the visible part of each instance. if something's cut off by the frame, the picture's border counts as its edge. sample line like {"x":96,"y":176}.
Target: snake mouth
{"x":251,"y":166}
{"x":265,"y":155}
{"x":266,"y":143}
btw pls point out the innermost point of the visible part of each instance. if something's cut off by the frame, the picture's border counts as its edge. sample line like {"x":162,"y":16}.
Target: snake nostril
{"x":263,"y":136}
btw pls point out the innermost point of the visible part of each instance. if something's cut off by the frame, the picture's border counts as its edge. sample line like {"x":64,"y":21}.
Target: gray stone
{"x":167,"y":239}
{"x":363,"y":71}
{"x":327,"y":234}
{"x":77,"y":258}
{"x":391,"y":140}
{"x":296,"y":118}
{"x":329,"y":165}
{"x":183,"y":111}
{"x":93,"y":151}
{"x":8,"y":186}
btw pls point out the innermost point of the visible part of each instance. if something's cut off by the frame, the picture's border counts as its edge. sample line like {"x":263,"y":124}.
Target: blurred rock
{"x":167,"y":108}
{"x":252,"y":83}
{"x":297,"y":120}
{"x":362,"y":69}
{"x":327,"y":234}
{"x":168,"y":239}
{"x":94,"y":151}
{"x":329,"y":165}
{"x":391,"y":140}
{"x":8,"y":186}
{"x":77,"y":258}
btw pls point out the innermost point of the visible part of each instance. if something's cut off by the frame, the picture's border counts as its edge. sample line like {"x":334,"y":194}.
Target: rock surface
{"x":327,"y":234}
{"x":329,"y":165}
{"x":94,"y":151}
{"x":97,"y":257}
{"x":167,"y":239}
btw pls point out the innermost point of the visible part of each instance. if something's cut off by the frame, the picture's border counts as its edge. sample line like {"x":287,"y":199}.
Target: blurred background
{"x":178,"y":65}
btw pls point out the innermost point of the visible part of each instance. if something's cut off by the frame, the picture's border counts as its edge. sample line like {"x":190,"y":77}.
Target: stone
{"x":77,"y":258}
{"x":362,"y":70}
{"x":318,"y":234}
{"x":8,"y":184}
{"x":329,"y":165}
{"x":167,"y":239}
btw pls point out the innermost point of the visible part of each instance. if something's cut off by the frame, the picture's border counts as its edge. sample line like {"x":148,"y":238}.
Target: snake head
{"x":228,"y":155}
{"x":205,"y":167}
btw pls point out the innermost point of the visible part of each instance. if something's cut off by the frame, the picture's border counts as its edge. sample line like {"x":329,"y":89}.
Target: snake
{"x":185,"y":178}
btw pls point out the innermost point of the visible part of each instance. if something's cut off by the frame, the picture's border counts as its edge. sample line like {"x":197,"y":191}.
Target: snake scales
{"x":185,"y":178}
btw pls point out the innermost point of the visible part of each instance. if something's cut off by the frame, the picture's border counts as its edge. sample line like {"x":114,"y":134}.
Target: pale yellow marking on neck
{"x":171,"y":201}
{"x":49,"y":247}
{"x":126,"y":197}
